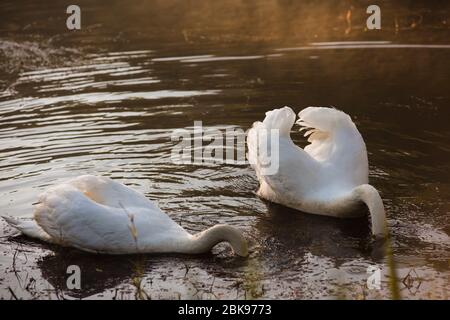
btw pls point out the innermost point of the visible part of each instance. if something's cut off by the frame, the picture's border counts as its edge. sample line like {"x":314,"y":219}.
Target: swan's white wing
{"x":72,"y":218}
{"x":337,"y":144}
{"x":320,"y":125}
{"x":262,"y":151}
{"x":297,"y":172}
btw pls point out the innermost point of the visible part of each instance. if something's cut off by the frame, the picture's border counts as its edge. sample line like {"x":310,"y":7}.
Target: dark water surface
{"x":105,"y":100}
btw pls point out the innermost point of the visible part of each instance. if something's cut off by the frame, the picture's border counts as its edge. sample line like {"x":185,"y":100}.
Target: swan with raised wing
{"x":98,"y":214}
{"x":328,"y":177}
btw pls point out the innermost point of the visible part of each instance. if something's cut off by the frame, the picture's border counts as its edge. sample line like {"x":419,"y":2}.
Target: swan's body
{"x":97,"y":214}
{"x":328,"y":177}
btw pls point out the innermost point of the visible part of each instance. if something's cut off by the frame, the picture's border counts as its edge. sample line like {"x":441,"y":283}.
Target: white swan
{"x":97,"y":214}
{"x":328,"y":177}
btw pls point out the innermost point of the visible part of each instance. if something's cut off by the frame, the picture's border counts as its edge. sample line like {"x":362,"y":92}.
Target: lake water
{"x":105,"y":100}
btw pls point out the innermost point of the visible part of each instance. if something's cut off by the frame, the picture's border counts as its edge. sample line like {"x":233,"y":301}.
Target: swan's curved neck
{"x":204,"y":241}
{"x":370,"y":196}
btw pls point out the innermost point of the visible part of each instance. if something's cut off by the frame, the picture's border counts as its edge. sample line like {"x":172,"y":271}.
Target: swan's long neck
{"x":370,"y":196}
{"x":204,"y":241}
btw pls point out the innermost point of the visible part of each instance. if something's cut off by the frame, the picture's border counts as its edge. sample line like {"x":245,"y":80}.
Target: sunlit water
{"x":110,"y":110}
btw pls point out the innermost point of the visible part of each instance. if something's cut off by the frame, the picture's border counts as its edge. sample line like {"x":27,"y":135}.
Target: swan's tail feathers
{"x":281,"y":119}
{"x":28,"y":227}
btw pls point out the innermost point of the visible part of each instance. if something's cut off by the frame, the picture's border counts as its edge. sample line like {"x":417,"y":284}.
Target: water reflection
{"x":364,"y":45}
{"x":125,"y":277}
{"x":107,"y":272}
{"x":292,"y":234}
